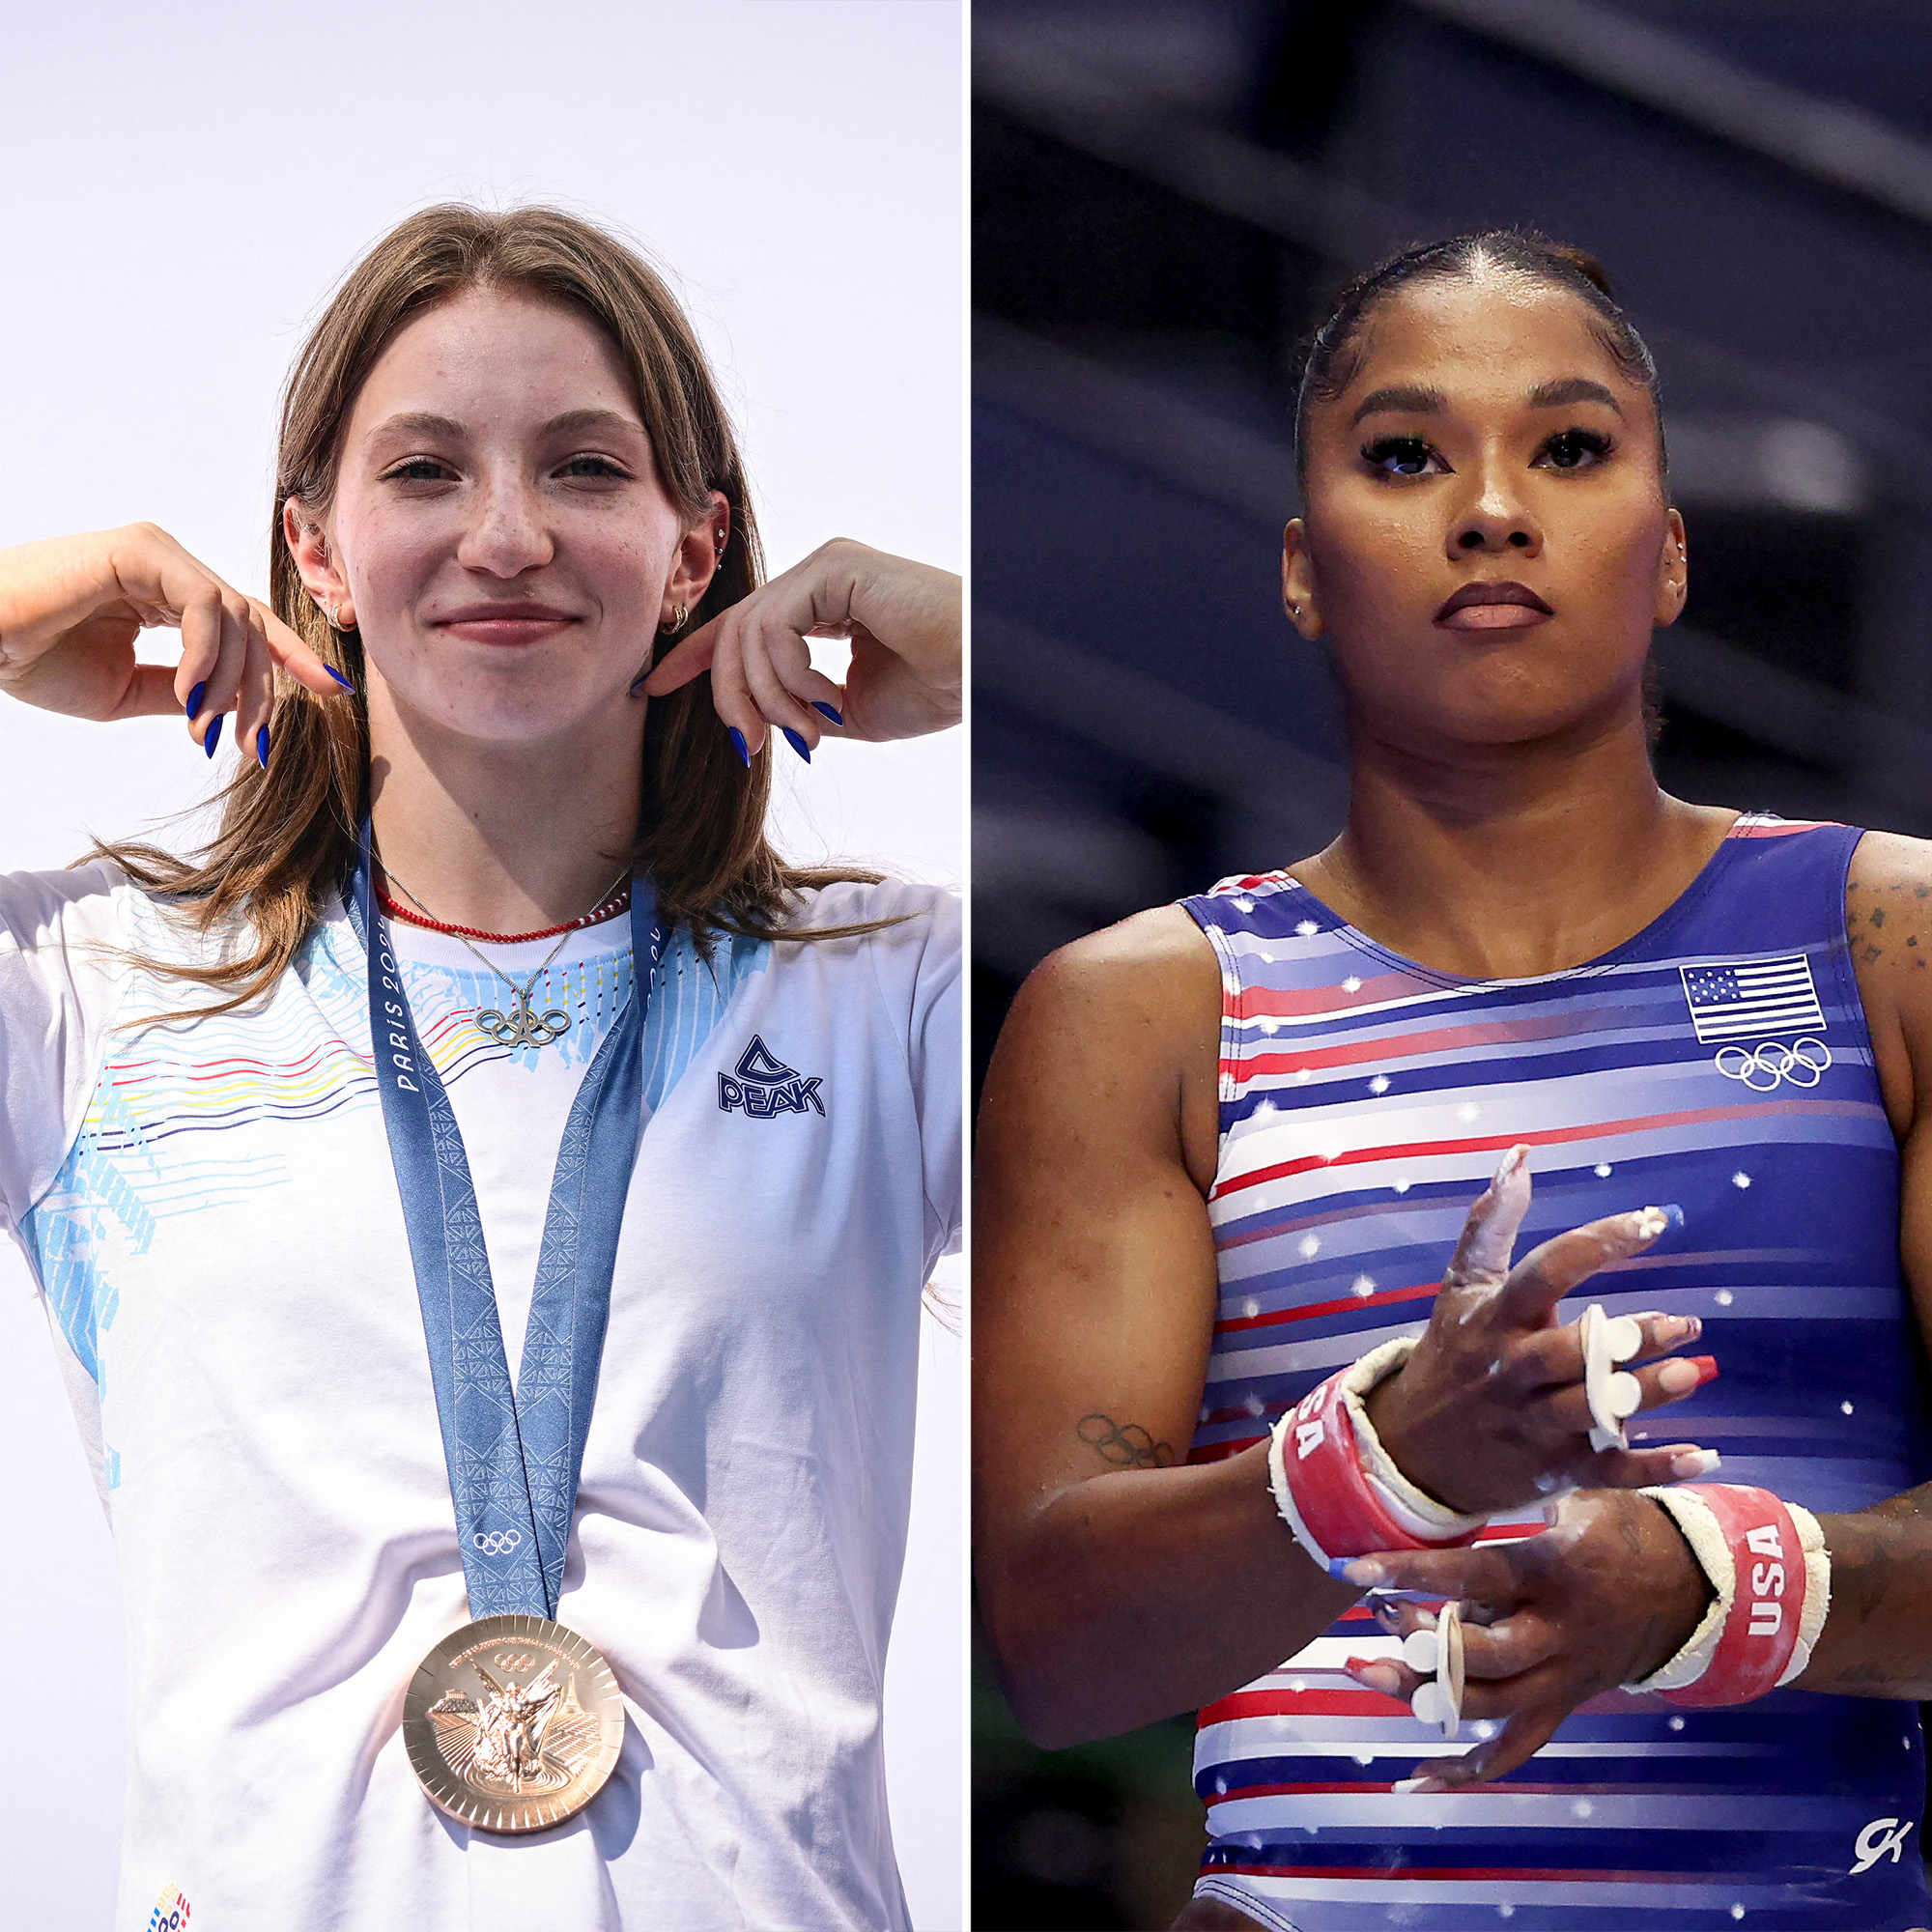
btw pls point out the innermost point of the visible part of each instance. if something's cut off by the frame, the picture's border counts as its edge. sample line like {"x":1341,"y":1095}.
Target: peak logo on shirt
{"x":763,"y":1086}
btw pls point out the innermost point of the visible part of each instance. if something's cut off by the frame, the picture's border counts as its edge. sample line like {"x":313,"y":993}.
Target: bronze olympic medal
{"x":513,"y":1723}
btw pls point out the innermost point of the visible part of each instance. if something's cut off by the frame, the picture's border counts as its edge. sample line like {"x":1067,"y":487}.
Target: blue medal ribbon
{"x":514,"y":1453}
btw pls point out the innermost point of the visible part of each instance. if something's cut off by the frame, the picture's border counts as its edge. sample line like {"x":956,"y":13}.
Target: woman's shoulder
{"x":94,"y":920}
{"x":900,"y":912}
{"x":89,"y":902}
{"x":1153,"y":956}
{"x":1151,"y":977}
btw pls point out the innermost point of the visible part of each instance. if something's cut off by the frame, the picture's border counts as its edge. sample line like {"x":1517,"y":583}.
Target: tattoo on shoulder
{"x":1877,"y":916}
{"x":1125,"y":1444}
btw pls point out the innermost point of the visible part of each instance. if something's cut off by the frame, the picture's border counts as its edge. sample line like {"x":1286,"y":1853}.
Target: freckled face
{"x":498,"y":516}
{"x":1487,"y":544}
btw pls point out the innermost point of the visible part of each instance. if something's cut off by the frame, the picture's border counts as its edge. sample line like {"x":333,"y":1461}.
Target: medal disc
{"x":513,"y":1723}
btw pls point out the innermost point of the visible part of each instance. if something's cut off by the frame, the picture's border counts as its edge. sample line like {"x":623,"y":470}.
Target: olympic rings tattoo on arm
{"x":1127,"y":1445}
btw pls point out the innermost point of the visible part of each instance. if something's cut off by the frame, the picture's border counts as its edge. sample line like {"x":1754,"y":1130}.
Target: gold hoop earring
{"x":679,"y":613}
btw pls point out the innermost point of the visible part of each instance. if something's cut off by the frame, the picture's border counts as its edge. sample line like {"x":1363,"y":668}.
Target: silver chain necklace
{"x":521,"y":1026}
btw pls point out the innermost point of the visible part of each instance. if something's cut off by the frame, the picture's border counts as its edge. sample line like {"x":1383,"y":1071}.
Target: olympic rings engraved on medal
{"x":1762,"y":1067}
{"x":515,"y":1661}
{"x":496,"y":1542}
{"x":522,"y":1026}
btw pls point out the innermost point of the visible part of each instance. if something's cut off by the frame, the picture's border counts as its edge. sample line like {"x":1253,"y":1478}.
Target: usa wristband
{"x":1770,"y":1582}
{"x":1338,"y":1489}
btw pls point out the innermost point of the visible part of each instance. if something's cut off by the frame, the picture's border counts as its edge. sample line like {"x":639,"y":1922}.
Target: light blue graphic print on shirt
{"x":185,"y":1120}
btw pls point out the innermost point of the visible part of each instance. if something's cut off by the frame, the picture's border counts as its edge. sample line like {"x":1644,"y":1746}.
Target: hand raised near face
{"x":1491,"y":1411}
{"x":1607,"y":1595}
{"x":70,"y":609}
{"x":902,"y":619}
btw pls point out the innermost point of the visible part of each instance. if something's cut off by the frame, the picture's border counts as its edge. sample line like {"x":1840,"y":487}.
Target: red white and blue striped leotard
{"x":1718,"y":1060}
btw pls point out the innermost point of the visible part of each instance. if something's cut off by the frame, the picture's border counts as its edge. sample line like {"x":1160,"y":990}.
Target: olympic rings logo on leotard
{"x":496,"y":1542}
{"x":1802,"y":1063}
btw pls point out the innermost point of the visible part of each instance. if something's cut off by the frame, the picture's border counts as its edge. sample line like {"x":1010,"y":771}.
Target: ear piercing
{"x":675,"y":623}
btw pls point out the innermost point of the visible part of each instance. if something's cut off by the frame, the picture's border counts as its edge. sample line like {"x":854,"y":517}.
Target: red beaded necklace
{"x":618,"y":901}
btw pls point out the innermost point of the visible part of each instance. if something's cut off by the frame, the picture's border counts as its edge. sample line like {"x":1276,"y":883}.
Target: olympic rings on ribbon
{"x":496,"y":1542}
{"x":1762,"y":1067}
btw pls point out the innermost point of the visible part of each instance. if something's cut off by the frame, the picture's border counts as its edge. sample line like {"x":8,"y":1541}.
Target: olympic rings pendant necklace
{"x":521,"y":1025}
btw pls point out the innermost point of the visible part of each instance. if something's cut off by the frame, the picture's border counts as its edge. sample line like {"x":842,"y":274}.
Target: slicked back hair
{"x":1333,"y":355}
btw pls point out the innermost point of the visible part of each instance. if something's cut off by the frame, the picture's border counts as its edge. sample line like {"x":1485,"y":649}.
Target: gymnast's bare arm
{"x":1118,"y":1585}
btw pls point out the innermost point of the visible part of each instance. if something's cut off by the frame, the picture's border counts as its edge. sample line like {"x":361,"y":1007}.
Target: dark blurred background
{"x":1166,"y":193}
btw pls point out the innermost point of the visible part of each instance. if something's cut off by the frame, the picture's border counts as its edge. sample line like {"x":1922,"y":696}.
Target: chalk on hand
{"x":1605,"y":1385}
{"x":1419,"y":1650}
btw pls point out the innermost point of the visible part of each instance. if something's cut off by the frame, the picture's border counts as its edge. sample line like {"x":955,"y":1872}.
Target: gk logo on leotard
{"x":1882,"y":1838}
{"x":763,"y":1085}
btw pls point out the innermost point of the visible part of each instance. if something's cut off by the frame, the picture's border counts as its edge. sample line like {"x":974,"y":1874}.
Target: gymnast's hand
{"x":1490,"y":1413}
{"x":903,"y":621}
{"x":1607,"y":1593}
{"x":70,"y":609}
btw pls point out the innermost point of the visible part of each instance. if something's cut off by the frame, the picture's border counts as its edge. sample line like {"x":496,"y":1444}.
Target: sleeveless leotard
{"x":1720,"y":1059}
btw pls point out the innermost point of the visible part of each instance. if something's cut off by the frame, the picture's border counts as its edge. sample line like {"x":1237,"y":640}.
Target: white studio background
{"x":184,"y":184}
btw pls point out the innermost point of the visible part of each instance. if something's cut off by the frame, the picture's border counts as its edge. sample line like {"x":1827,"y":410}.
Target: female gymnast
{"x":483,"y":1199}
{"x":1227,"y":1144}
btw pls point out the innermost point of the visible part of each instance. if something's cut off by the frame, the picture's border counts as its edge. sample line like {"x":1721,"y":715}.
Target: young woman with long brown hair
{"x":1225,"y":1148}
{"x":483,"y":1197}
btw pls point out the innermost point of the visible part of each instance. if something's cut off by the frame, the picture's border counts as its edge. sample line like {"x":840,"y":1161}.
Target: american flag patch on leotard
{"x":1753,"y":996}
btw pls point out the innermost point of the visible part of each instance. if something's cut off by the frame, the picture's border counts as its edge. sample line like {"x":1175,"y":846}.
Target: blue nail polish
{"x":738,"y":739}
{"x":836,"y":716}
{"x":638,"y":687}
{"x":797,"y":743}
{"x":262,"y":748}
{"x":338,"y":677}
{"x":213,"y":737}
{"x":1673,"y":1213}
{"x":194,"y":699}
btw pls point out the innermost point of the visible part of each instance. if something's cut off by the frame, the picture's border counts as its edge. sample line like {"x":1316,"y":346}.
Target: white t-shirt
{"x":212,"y":1212}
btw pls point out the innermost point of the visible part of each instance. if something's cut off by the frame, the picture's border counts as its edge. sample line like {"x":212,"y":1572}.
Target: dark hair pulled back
{"x":1333,"y":356}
